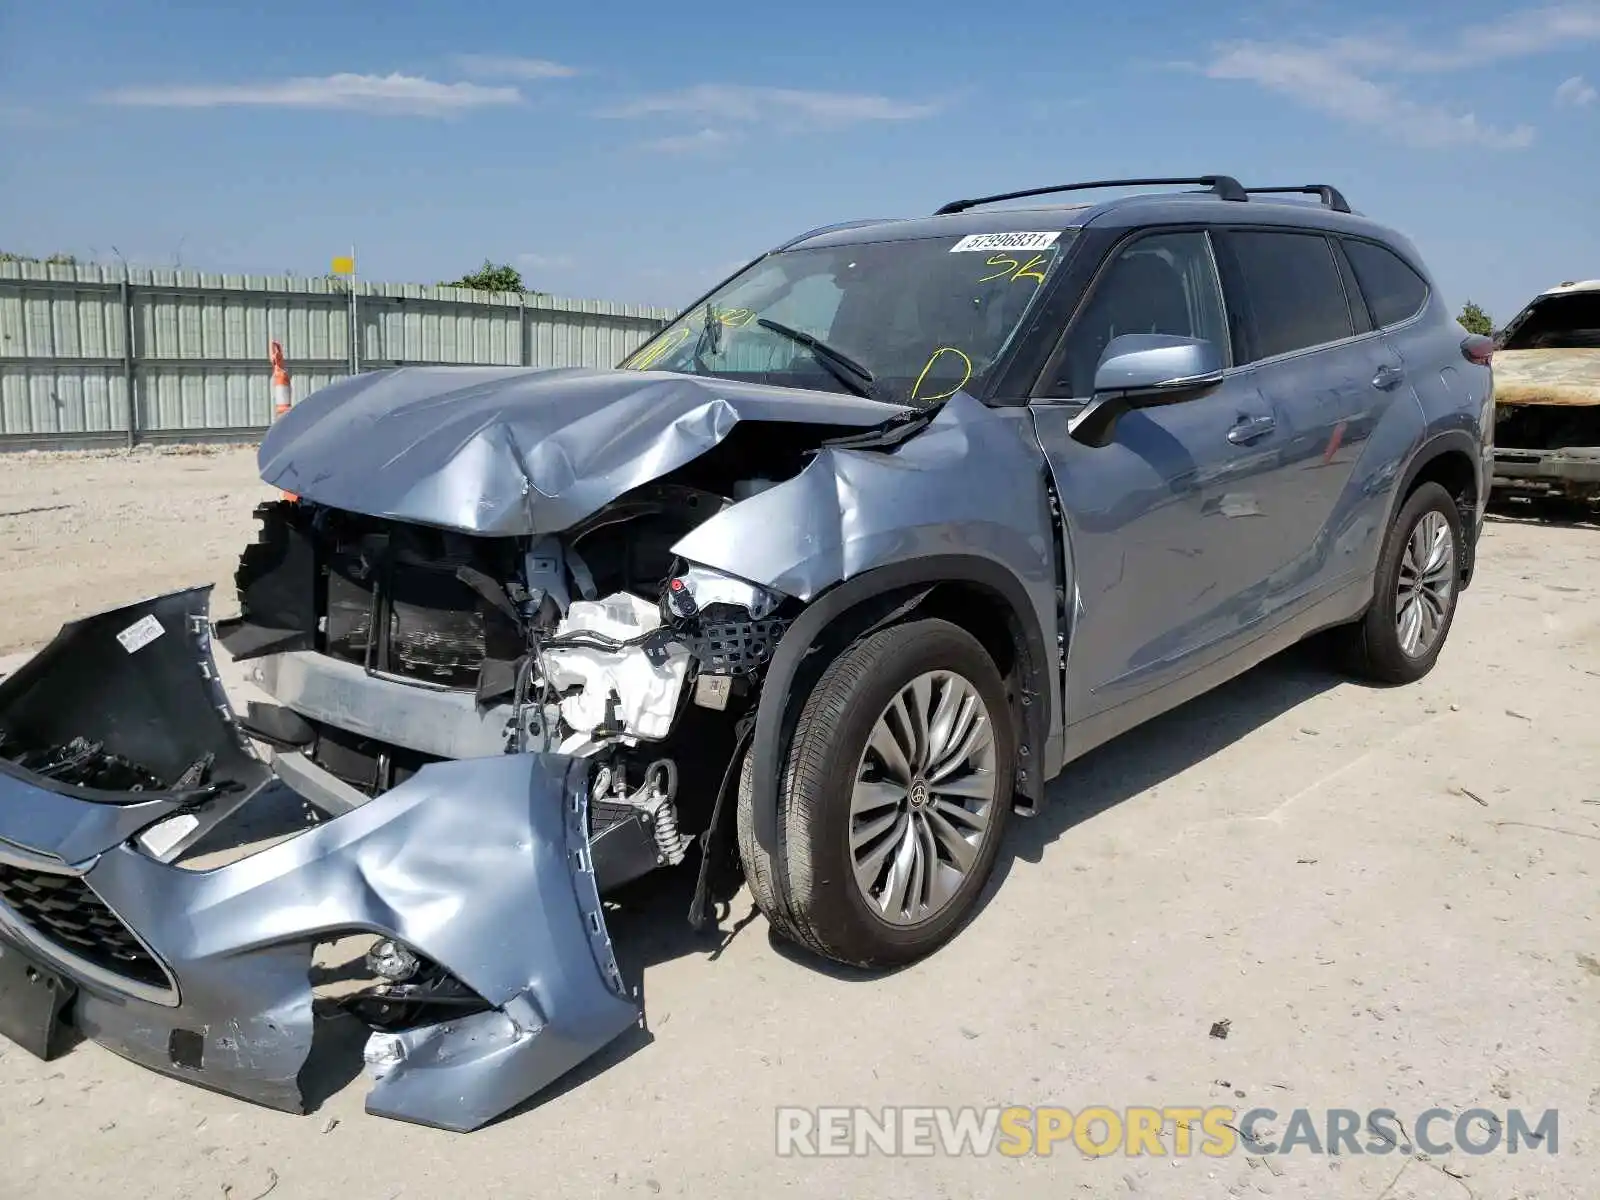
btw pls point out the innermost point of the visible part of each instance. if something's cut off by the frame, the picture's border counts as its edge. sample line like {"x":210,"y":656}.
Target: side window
{"x":1393,"y":290}
{"x":1292,"y":296}
{"x":1161,"y":283}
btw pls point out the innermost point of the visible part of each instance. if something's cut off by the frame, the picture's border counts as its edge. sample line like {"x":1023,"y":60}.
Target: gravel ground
{"x":84,"y":532}
{"x":1389,"y":895}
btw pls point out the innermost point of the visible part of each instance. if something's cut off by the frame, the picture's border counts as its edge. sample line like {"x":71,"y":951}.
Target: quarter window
{"x":1162,"y":283}
{"x":1393,"y":290}
{"x":1292,"y":296}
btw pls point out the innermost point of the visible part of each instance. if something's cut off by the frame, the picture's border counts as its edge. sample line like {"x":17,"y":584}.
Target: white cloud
{"x":1576,"y":92}
{"x":382,"y":95}
{"x":506,"y":66}
{"x":1328,"y":78}
{"x":1519,"y":34}
{"x":733,"y":102}
{"x":689,"y":143}
{"x":1355,"y":77}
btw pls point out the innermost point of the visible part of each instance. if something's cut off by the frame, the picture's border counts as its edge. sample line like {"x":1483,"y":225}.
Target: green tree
{"x":1474,"y":320}
{"x":491,"y":277}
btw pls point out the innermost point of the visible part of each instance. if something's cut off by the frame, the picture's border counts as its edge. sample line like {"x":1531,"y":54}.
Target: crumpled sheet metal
{"x":516,"y":451}
{"x":970,"y":483}
{"x":968,"y":486}
{"x":480,"y":864}
{"x":470,"y":862}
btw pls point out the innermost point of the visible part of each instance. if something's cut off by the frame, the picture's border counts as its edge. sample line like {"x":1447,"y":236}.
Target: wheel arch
{"x":974,"y":593}
{"x":1450,"y":459}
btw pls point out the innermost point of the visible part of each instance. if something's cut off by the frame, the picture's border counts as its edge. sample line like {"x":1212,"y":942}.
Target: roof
{"x":1581,"y":285}
{"x":1156,"y":208}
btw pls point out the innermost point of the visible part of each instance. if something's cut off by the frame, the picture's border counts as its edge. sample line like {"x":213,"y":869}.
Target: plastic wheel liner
{"x":478,"y":866}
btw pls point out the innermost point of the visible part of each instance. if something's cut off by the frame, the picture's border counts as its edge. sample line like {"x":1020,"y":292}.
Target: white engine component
{"x":647,"y":694}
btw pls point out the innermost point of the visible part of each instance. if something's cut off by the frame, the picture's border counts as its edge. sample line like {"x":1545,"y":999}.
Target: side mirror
{"x":1141,"y":370}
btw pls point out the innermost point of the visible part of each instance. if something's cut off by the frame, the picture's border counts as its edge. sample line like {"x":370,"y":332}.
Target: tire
{"x":1373,"y":647}
{"x":808,"y":887}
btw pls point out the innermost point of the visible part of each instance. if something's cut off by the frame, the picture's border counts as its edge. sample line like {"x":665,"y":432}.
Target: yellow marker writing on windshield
{"x":933,"y":358}
{"x":650,"y":355}
{"x":1015,"y":269}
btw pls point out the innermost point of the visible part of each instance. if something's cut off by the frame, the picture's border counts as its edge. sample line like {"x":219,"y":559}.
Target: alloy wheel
{"x":1427,"y":584}
{"x":923,"y":799}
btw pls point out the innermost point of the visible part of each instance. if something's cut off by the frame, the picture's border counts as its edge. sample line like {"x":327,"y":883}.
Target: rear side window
{"x":1393,"y":290}
{"x":1292,"y":294}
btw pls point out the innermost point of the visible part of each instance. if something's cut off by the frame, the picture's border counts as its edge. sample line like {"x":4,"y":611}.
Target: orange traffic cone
{"x":282,"y":399}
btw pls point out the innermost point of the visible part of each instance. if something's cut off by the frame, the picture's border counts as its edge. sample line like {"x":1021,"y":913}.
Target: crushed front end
{"x":470,"y":740}
{"x":122,"y":764}
{"x":1547,"y":399}
{"x":498,"y":689}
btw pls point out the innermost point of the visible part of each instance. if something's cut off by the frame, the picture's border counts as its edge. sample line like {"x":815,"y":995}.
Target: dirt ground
{"x":1390,"y":895}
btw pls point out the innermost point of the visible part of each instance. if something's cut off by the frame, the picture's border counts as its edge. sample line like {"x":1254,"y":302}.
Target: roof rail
{"x":1331,"y":197}
{"x":1224,"y":186}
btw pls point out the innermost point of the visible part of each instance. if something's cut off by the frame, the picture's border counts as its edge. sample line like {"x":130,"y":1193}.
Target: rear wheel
{"x":893,"y":798}
{"x":1419,"y":578}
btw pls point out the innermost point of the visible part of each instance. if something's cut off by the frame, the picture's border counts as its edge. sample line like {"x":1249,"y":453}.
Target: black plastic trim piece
{"x":1330,"y":197}
{"x":1225,"y":187}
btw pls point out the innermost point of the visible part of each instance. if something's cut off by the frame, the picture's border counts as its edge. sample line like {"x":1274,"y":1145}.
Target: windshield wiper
{"x":839,"y":364}
{"x":708,"y":340}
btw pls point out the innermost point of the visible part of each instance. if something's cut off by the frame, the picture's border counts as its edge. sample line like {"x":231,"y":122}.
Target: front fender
{"x":963,"y":501}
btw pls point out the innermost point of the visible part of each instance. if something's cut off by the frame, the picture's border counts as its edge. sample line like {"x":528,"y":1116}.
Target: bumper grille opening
{"x":394,"y":602}
{"x":63,"y":911}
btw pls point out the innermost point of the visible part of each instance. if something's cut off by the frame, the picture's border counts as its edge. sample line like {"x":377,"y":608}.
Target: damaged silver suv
{"x":814,"y":591}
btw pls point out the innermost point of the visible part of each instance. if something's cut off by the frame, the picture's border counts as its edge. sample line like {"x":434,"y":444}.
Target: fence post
{"x":126,"y":292}
{"x":525,"y":332}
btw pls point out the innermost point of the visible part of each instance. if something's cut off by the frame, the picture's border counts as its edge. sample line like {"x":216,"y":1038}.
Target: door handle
{"x":1387,"y":377}
{"x":1250,"y":428}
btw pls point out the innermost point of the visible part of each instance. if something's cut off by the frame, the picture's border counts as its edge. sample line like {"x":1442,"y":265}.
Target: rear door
{"x":1162,"y":522}
{"x":1328,"y":376}
{"x":1397,"y":298}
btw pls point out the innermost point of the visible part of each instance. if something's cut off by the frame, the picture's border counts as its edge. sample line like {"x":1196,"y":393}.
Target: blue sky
{"x":636,"y":151}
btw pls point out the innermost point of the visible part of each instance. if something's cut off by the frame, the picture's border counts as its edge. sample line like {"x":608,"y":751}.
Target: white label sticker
{"x":160,"y":839}
{"x":1004,"y":241}
{"x":140,"y":634}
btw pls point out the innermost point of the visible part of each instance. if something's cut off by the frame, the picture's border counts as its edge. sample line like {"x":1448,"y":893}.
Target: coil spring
{"x":664,"y":774}
{"x":666,"y":826}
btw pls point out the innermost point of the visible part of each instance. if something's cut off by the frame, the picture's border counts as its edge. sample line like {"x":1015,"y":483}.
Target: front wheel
{"x":893,"y":799}
{"x":1414,"y":603}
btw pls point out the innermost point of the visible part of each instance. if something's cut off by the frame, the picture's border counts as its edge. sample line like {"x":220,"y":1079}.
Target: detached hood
{"x":1547,"y":376}
{"x":513,"y":451}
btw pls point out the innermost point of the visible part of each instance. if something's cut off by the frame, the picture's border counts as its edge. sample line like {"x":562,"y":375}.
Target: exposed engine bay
{"x":596,"y":643}
{"x":517,"y":632}
{"x":1547,"y":399}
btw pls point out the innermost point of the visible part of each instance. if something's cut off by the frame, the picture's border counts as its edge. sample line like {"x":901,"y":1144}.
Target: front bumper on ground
{"x":480,"y":865}
{"x":1572,"y":471}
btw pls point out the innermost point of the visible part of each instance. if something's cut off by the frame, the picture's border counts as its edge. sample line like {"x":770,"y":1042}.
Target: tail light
{"x":1477,"y":349}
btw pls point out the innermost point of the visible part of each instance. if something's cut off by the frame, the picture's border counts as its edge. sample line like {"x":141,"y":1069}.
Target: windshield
{"x":1569,"y":322}
{"x":925,"y":317}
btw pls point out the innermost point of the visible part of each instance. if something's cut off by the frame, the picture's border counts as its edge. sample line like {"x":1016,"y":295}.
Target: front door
{"x":1167,"y":526}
